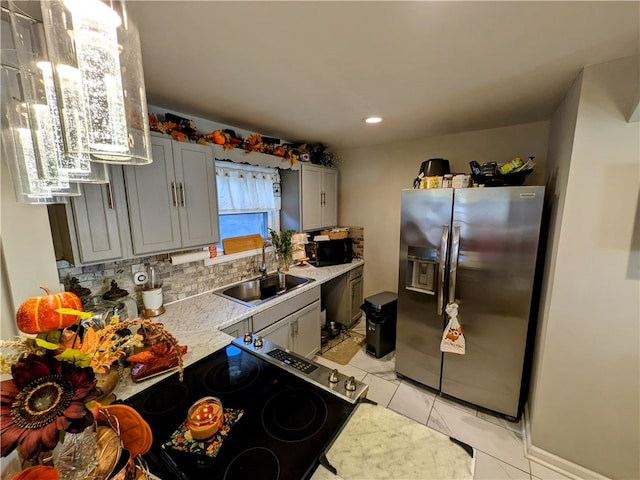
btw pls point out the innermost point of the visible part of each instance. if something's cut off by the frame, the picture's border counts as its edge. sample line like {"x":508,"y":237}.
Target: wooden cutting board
{"x":240,"y":244}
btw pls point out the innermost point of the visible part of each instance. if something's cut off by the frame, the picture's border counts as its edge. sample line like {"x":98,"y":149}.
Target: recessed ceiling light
{"x":372,"y":119}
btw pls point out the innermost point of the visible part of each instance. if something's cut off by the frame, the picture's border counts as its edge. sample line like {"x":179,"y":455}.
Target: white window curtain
{"x":246,"y":188}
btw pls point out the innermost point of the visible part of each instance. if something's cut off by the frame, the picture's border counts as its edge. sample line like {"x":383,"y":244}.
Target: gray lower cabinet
{"x":299,"y":332}
{"x":239,"y":329}
{"x":355,"y":294}
{"x":173,"y":202}
{"x":293,"y":324}
{"x":93,"y":227}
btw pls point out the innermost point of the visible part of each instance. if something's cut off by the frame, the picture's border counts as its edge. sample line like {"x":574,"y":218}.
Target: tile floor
{"x":498,"y":442}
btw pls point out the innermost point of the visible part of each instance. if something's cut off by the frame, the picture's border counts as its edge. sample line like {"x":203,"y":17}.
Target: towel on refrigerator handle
{"x":452,"y":338}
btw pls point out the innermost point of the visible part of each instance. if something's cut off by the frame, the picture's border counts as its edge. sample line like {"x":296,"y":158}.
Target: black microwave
{"x":330,"y":252}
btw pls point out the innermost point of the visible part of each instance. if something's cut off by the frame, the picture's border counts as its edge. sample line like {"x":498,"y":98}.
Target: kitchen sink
{"x":259,"y":290}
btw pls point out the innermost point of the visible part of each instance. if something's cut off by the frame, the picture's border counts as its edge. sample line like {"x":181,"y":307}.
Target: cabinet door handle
{"x":182,"y":196}
{"x":109,"y":196}
{"x":173,"y":194}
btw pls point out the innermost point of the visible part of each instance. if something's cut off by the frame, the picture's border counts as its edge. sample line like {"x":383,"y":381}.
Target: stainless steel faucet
{"x":263,"y":267}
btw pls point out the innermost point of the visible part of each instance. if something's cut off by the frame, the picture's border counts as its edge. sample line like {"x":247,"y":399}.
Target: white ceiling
{"x":310,"y":71}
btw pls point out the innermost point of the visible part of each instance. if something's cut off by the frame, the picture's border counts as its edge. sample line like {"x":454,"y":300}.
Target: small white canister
{"x":461,"y":181}
{"x":152,"y":298}
{"x":152,"y":295}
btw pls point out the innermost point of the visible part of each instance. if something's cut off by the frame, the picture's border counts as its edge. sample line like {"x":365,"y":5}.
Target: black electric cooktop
{"x":289,"y":421}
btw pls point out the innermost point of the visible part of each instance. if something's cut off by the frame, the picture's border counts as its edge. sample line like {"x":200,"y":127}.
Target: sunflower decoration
{"x":55,"y":385}
{"x":44,"y":397}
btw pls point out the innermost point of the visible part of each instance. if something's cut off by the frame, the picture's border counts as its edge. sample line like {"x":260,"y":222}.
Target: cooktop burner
{"x":289,"y":421}
{"x":234,"y":373}
{"x":256,"y":462}
{"x":294,"y":415}
{"x":165,"y":403}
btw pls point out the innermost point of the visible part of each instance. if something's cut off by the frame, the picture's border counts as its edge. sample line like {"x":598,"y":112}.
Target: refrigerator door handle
{"x":444,"y":248}
{"x":453,"y":266}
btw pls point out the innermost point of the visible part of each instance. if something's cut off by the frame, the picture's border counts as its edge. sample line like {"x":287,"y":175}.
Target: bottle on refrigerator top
{"x":512,"y":165}
{"x":461,"y":181}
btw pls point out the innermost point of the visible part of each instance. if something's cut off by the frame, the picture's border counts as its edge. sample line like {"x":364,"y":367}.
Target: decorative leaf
{"x":76,"y":357}
{"x":71,"y":311}
{"x":47,"y":345}
{"x":53,"y":336}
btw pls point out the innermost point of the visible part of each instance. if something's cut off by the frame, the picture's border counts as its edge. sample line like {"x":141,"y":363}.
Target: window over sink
{"x":248,"y":200}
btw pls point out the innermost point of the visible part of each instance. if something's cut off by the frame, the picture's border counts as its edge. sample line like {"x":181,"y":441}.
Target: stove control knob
{"x":350,"y":384}
{"x":257,"y":343}
{"x":333,"y":377}
{"x":248,"y":338}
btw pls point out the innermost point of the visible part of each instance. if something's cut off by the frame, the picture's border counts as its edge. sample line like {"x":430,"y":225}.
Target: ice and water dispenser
{"x":422,"y":268}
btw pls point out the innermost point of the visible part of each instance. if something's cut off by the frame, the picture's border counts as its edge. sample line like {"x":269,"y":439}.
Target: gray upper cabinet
{"x":173,"y":201}
{"x":152,"y":198}
{"x":309,"y":198}
{"x":197,"y":194}
{"x":329,"y":198}
{"x":93,"y":227}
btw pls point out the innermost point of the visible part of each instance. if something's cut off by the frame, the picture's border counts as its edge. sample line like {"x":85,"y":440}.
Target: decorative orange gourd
{"x":135,"y":432}
{"x":218,"y":137}
{"x":38,"y":472}
{"x":38,"y":314}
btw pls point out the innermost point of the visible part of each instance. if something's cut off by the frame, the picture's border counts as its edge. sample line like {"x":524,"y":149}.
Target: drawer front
{"x":271,"y":315}
{"x":356,"y":272}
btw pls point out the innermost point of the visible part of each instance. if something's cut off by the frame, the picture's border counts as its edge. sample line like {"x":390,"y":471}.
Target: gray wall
{"x":585,"y":404}
{"x":371,"y":179}
{"x":585,"y":401}
{"x":28,"y":260}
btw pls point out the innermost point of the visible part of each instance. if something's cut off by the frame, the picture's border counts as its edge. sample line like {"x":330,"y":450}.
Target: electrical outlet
{"x":139,"y":273}
{"x":140,"y":278}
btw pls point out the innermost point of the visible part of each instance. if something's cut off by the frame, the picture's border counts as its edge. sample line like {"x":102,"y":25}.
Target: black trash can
{"x":381,"y":311}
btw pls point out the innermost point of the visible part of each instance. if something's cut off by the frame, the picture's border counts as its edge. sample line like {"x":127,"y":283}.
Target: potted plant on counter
{"x":282,"y":245}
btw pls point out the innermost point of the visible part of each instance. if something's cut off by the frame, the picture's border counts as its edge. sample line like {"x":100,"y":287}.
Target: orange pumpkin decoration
{"x":38,"y":472}
{"x":219,"y":138}
{"x":179,"y":136}
{"x":38,"y":314}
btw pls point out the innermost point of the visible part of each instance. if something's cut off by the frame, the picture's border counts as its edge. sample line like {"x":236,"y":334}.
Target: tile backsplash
{"x":178,"y":281}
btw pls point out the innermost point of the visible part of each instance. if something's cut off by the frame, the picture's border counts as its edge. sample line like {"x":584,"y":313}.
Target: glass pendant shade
{"x":98,"y":72}
{"x":75,"y":164}
{"x":27,"y":138}
{"x":56,"y":165}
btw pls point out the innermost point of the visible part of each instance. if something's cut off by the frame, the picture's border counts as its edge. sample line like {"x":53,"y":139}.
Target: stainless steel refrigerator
{"x":477,"y":247}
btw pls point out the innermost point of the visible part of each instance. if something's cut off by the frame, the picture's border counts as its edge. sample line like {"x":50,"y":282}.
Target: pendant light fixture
{"x":95,"y":46}
{"x":40,"y":170}
{"x":73,"y":97}
{"x":27,"y":139}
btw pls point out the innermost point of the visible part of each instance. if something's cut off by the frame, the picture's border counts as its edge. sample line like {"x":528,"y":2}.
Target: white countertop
{"x":196,"y":321}
{"x":377,"y":443}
